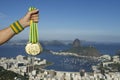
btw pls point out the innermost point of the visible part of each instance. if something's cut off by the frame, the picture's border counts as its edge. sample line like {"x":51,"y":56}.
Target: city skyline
{"x":91,"y":20}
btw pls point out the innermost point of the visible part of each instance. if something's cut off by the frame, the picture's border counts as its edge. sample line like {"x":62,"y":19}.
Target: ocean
{"x":62,"y":63}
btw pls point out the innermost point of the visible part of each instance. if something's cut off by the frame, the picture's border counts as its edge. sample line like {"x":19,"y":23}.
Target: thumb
{"x":33,"y":12}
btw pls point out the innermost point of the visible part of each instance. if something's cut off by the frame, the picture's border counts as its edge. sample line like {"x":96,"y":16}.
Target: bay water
{"x":61,"y":63}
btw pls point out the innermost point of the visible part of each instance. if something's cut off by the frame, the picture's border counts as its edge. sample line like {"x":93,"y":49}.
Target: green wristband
{"x":16,"y":27}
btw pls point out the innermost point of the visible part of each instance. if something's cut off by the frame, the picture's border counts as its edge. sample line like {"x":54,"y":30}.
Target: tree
{"x":118,"y":53}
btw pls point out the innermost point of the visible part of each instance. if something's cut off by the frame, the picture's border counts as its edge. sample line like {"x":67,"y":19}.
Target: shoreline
{"x":73,"y":54}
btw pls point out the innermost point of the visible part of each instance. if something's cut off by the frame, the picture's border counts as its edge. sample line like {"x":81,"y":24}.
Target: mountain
{"x":45,"y":43}
{"x":53,"y":43}
{"x":82,"y":50}
{"x":76,"y":43}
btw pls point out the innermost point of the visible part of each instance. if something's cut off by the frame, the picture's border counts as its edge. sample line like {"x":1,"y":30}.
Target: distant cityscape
{"x":31,"y":67}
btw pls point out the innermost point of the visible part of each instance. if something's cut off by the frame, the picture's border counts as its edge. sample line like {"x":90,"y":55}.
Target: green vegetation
{"x":48,"y":63}
{"x":38,"y":67}
{"x":84,"y":51}
{"x":9,"y":75}
{"x":115,"y":66}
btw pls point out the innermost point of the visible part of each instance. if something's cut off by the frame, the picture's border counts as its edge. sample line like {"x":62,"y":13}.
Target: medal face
{"x":33,"y":49}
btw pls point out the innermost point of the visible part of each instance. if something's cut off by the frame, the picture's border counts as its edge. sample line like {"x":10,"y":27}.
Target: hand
{"x":31,"y":15}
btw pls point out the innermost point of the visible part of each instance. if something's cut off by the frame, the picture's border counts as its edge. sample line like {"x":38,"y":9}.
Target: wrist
{"x":22,"y":22}
{"x":16,"y":27}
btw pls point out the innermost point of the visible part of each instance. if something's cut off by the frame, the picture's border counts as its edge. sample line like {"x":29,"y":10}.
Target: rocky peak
{"x":76,"y":43}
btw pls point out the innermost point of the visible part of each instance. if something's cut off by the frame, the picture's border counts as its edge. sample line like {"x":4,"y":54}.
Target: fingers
{"x":35,"y":17}
{"x":33,"y":12}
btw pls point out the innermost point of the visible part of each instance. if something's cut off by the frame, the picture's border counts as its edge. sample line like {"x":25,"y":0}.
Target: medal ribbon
{"x":33,"y":36}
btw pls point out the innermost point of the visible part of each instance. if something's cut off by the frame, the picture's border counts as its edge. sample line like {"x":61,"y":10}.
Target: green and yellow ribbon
{"x":33,"y":37}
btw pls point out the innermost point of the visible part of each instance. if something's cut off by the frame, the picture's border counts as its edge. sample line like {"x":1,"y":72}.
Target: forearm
{"x":13,"y":29}
{"x":5,"y":35}
{"x":18,"y":26}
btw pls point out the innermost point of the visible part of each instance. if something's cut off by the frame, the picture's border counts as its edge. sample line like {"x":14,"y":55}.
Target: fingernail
{"x":37,"y":9}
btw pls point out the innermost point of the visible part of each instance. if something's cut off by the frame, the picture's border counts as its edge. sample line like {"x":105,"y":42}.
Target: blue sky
{"x":90,"y":20}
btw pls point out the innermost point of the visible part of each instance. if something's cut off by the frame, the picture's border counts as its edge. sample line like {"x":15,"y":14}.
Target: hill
{"x":82,"y":50}
{"x":9,"y":75}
